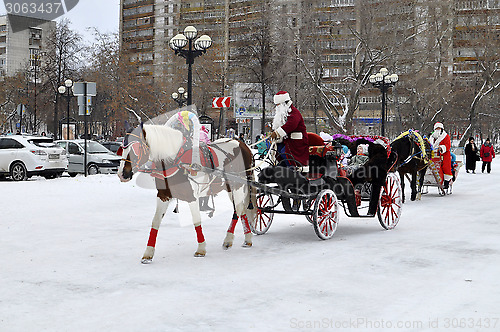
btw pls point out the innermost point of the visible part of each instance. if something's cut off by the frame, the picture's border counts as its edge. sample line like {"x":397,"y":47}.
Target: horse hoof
{"x":246,"y":244}
{"x":146,"y":260}
{"x":199,"y":254}
{"x":226,"y":245}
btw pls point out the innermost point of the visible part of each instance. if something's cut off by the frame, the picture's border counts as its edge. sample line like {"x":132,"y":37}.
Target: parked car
{"x":99,"y":159}
{"x":115,"y":147}
{"x":24,"y":156}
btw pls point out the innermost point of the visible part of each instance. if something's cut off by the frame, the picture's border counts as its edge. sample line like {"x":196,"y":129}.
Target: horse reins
{"x":141,"y":151}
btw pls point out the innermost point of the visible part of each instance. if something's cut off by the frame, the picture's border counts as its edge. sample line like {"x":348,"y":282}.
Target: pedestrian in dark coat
{"x":471,"y":156}
{"x":487,"y":155}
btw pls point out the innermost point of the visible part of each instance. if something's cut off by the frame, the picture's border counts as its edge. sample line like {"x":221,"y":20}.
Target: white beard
{"x":281,"y":116}
{"x":437,"y":137}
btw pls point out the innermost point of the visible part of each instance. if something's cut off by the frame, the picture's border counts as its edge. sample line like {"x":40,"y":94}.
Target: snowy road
{"x":71,"y":248}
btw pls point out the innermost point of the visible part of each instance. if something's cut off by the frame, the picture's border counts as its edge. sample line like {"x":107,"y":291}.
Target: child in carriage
{"x":346,"y":154}
{"x":359,"y":159}
{"x":262,"y":146}
{"x":453,"y":165}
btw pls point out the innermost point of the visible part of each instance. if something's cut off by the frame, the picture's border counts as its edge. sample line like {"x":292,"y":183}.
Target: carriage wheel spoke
{"x":325,"y":210}
{"x":390,"y":202}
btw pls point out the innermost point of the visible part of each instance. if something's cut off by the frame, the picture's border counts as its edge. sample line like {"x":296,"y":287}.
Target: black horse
{"x":412,"y":159}
{"x":373,"y":171}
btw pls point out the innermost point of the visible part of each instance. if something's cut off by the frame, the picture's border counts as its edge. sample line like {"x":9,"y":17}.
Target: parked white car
{"x":24,"y":156}
{"x":99,"y":159}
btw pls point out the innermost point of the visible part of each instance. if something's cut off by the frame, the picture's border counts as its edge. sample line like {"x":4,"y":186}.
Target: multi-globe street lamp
{"x":194,"y":50}
{"x":65,"y":90}
{"x":180,"y":97}
{"x":383,"y":81}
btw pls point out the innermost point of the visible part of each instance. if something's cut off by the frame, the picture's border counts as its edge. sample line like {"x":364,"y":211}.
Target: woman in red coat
{"x":487,"y":154}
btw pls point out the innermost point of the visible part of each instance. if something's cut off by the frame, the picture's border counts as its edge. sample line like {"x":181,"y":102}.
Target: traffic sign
{"x":84,"y":89}
{"x":219,"y":102}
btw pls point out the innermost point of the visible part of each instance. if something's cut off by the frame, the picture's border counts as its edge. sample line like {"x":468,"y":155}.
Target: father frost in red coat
{"x":290,"y":131}
{"x":440,"y":141}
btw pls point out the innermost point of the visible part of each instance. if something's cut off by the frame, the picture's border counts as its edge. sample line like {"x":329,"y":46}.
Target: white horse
{"x":225,"y":165}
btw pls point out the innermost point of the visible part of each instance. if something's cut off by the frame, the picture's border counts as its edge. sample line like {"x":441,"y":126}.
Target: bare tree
{"x":360,"y":37}
{"x":62,"y":59}
{"x":427,"y":94}
{"x":254,"y":59}
{"x":483,"y":41}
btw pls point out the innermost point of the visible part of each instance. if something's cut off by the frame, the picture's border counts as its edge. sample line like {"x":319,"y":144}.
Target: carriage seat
{"x":315,"y":140}
{"x":286,"y":177}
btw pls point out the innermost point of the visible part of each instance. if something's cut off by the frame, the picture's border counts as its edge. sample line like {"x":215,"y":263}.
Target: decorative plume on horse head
{"x":186,"y":169}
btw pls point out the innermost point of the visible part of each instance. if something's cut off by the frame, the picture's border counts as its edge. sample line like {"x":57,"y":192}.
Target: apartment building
{"x":22,"y":50}
{"x":328,"y":25}
{"x":476,"y":34}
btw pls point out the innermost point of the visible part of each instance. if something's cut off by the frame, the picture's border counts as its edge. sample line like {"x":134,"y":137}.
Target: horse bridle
{"x":140,"y":152}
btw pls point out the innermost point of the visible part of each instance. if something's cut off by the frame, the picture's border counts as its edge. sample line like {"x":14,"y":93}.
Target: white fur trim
{"x":443,"y":148}
{"x":435,"y":141}
{"x":281,"y":133}
{"x":278,"y":99}
{"x":448,"y":177}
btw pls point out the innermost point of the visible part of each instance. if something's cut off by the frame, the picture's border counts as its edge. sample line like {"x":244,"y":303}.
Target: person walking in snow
{"x":487,"y":155}
{"x":471,"y":156}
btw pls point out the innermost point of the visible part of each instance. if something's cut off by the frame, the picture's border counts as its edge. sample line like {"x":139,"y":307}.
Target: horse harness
{"x":419,"y":141}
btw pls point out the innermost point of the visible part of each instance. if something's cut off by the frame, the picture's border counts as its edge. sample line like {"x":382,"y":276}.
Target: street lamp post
{"x":194,"y":50}
{"x":383,"y":81}
{"x":35,"y":63}
{"x":66,"y":88}
{"x":180,"y":97}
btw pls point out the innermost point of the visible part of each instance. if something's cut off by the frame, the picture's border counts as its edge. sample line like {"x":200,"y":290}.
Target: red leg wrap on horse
{"x":152,"y":237}
{"x":233,"y":224}
{"x":199,"y":234}
{"x":246,"y":226}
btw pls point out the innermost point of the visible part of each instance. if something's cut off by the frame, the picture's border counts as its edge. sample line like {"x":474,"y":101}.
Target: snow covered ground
{"x":71,"y":249}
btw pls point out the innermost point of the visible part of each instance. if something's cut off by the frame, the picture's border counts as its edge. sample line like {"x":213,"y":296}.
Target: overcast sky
{"x":102,"y":14}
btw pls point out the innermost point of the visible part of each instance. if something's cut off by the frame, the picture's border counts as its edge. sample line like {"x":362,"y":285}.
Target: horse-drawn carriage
{"x":434,"y":175}
{"x":318,"y":194}
{"x":168,"y":148}
{"x":416,"y":156}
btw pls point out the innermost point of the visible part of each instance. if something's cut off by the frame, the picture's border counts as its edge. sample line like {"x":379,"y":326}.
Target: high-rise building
{"x":436,"y":38}
{"x":476,"y":34}
{"x":21,"y":51}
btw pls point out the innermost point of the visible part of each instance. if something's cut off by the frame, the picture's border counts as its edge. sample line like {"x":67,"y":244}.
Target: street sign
{"x":81,"y":110}
{"x":21,"y":109}
{"x":82,"y":104}
{"x":219,"y":102}
{"x":79,"y":89}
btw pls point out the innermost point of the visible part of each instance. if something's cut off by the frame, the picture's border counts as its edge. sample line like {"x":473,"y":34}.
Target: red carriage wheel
{"x":325,"y":214}
{"x":390,"y":202}
{"x":263,"y":220}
